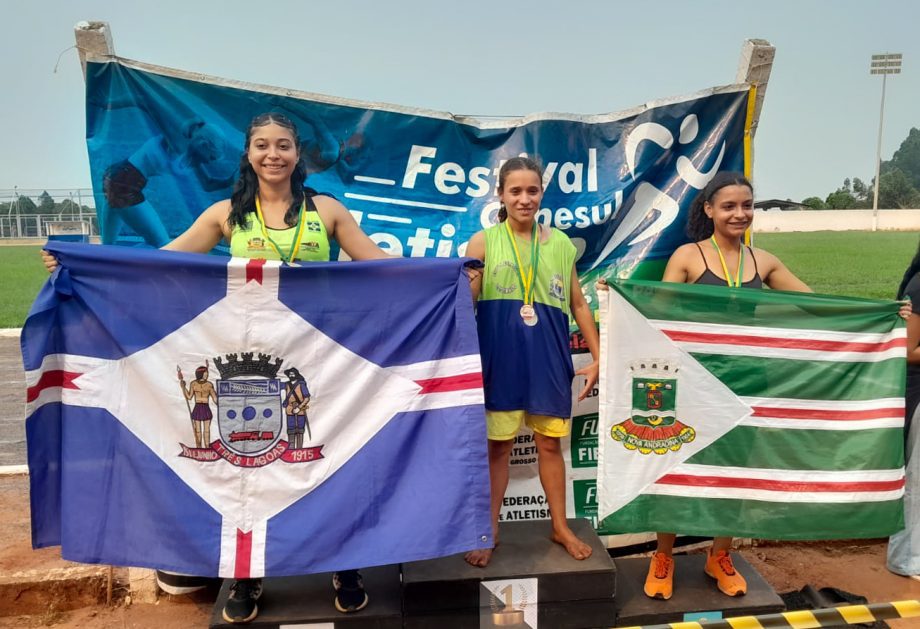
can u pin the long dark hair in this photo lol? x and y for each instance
(700, 226)
(912, 270)
(515, 163)
(243, 198)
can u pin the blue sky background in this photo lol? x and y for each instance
(819, 123)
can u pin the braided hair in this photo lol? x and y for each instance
(243, 198)
(700, 226)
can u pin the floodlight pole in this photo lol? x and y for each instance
(881, 64)
(878, 157)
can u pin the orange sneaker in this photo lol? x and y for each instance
(660, 580)
(720, 567)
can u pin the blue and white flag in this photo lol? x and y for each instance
(239, 418)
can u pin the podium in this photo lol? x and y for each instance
(308, 601)
(694, 593)
(530, 581)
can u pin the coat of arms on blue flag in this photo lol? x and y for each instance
(369, 450)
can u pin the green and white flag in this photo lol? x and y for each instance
(753, 413)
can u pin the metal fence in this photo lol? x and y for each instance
(36, 225)
(19, 217)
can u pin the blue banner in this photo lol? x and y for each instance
(165, 144)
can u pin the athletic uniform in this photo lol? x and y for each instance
(527, 371)
(710, 278)
(248, 241)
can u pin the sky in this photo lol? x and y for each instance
(818, 126)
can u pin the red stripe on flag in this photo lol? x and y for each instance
(825, 413)
(779, 485)
(254, 270)
(243, 554)
(51, 379)
(450, 383)
(783, 343)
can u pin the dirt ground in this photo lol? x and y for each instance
(857, 567)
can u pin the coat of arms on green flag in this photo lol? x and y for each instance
(750, 412)
(653, 426)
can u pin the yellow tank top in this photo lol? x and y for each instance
(251, 240)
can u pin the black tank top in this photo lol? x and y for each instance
(710, 278)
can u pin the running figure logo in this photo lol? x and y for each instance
(249, 399)
(653, 426)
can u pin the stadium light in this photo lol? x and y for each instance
(885, 64)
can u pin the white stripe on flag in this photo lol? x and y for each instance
(822, 424)
(834, 405)
(63, 362)
(240, 270)
(773, 485)
(772, 496)
(257, 558)
(227, 547)
(802, 476)
(825, 414)
(447, 399)
(470, 363)
(790, 353)
(780, 333)
(449, 382)
(61, 378)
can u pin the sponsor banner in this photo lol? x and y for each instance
(164, 144)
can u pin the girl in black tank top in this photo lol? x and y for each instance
(710, 278)
(719, 218)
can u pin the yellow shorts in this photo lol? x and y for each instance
(504, 425)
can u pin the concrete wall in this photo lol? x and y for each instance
(834, 220)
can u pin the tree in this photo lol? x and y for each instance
(814, 203)
(860, 190)
(45, 202)
(896, 192)
(906, 159)
(840, 200)
(25, 205)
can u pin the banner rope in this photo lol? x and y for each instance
(804, 619)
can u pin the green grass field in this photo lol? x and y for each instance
(859, 264)
(21, 276)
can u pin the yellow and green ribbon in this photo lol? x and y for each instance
(294, 243)
(728, 277)
(526, 281)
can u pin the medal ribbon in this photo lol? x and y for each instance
(294, 244)
(527, 283)
(728, 277)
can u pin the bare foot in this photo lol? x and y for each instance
(574, 546)
(479, 558)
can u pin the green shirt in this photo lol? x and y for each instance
(249, 241)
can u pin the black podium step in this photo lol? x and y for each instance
(308, 600)
(535, 575)
(694, 593)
